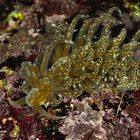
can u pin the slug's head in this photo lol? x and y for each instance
(40, 94)
(38, 88)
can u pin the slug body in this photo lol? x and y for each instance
(71, 66)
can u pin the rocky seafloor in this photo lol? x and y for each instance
(26, 28)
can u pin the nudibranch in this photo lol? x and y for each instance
(74, 64)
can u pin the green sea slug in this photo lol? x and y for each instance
(73, 65)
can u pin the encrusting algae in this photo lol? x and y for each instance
(71, 66)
